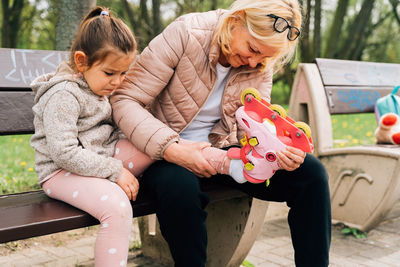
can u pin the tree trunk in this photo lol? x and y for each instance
(11, 22)
(317, 29)
(145, 21)
(394, 4)
(305, 38)
(357, 31)
(129, 12)
(70, 14)
(336, 28)
(156, 17)
(214, 4)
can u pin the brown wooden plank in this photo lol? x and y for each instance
(30, 214)
(342, 100)
(335, 72)
(16, 116)
(19, 67)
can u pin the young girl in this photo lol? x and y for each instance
(81, 157)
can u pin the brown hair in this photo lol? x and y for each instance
(99, 34)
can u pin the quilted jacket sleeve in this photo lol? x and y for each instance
(145, 81)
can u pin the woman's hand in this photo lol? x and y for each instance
(189, 156)
(128, 182)
(291, 158)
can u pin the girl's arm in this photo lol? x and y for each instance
(60, 118)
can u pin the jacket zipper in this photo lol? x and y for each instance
(212, 90)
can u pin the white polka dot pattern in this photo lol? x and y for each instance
(112, 250)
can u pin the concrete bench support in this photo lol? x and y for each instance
(364, 180)
(232, 227)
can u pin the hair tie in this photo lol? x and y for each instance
(104, 13)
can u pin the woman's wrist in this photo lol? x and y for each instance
(171, 151)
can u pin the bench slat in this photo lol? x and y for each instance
(335, 72)
(30, 214)
(16, 116)
(344, 100)
(19, 67)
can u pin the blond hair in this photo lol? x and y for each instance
(253, 15)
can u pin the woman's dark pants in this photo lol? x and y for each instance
(181, 203)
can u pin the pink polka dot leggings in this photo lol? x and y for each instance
(105, 201)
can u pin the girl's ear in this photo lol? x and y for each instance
(80, 59)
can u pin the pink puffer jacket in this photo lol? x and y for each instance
(171, 81)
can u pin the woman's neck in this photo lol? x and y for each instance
(222, 60)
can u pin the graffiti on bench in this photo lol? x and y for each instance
(19, 67)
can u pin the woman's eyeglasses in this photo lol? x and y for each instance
(281, 24)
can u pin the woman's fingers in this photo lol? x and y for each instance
(291, 158)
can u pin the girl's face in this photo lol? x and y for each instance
(245, 49)
(103, 77)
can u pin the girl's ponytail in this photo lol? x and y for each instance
(99, 34)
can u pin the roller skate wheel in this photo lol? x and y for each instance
(249, 91)
(248, 166)
(278, 109)
(304, 127)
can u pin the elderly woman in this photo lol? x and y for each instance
(186, 85)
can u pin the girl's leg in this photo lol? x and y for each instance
(218, 158)
(132, 158)
(105, 201)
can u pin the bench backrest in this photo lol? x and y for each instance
(331, 86)
(18, 68)
(354, 86)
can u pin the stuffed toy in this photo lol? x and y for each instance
(388, 131)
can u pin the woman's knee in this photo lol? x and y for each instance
(179, 188)
(313, 167)
(316, 175)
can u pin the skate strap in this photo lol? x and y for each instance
(234, 153)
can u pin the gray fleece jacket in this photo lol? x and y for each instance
(74, 130)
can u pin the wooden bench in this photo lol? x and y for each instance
(234, 218)
(364, 180)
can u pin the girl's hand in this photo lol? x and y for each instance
(128, 182)
(291, 158)
(189, 156)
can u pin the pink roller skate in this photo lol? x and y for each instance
(268, 130)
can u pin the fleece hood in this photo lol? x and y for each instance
(63, 73)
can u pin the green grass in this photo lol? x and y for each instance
(353, 129)
(17, 157)
(17, 165)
